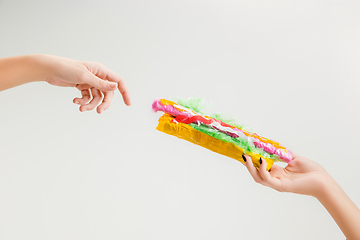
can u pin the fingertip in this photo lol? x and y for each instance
(76, 101)
(112, 85)
(265, 175)
(263, 164)
(107, 86)
(244, 158)
(82, 108)
(252, 170)
(248, 161)
(126, 98)
(103, 85)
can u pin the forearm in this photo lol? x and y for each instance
(345, 213)
(15, 71)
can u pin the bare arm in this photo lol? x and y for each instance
(96, 82)
(307, 177)
(19, 70)
(345, 213)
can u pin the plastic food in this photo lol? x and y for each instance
(185, 121)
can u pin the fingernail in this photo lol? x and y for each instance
(260, 160)
(244, 158)
(76, 102)
(112, 85)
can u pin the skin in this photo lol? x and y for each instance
(95, 82)
(304, 176)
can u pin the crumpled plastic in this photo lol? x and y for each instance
(255, 143)
(213, 140)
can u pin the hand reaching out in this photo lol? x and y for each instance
(95, 82)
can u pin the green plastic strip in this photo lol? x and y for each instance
(240, 142)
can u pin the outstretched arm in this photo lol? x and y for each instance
(96, 82)
(307, 177)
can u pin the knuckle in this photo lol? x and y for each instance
(124, 92)
(121, 80)
(100, 65)
(101, 84)
(90, 106)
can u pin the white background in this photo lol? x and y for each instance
(289, 69)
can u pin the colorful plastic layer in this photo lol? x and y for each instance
(213, 143)
(188, 116)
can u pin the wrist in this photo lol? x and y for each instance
(38, 67)
(327, 188)
(29, 68)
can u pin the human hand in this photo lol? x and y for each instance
(302, 176)
(95, 82)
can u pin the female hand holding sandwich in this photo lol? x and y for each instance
(303, 176)
(96, 82)
(307, 177)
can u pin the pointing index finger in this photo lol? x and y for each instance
(112, 76)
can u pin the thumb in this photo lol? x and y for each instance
(101, 84)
